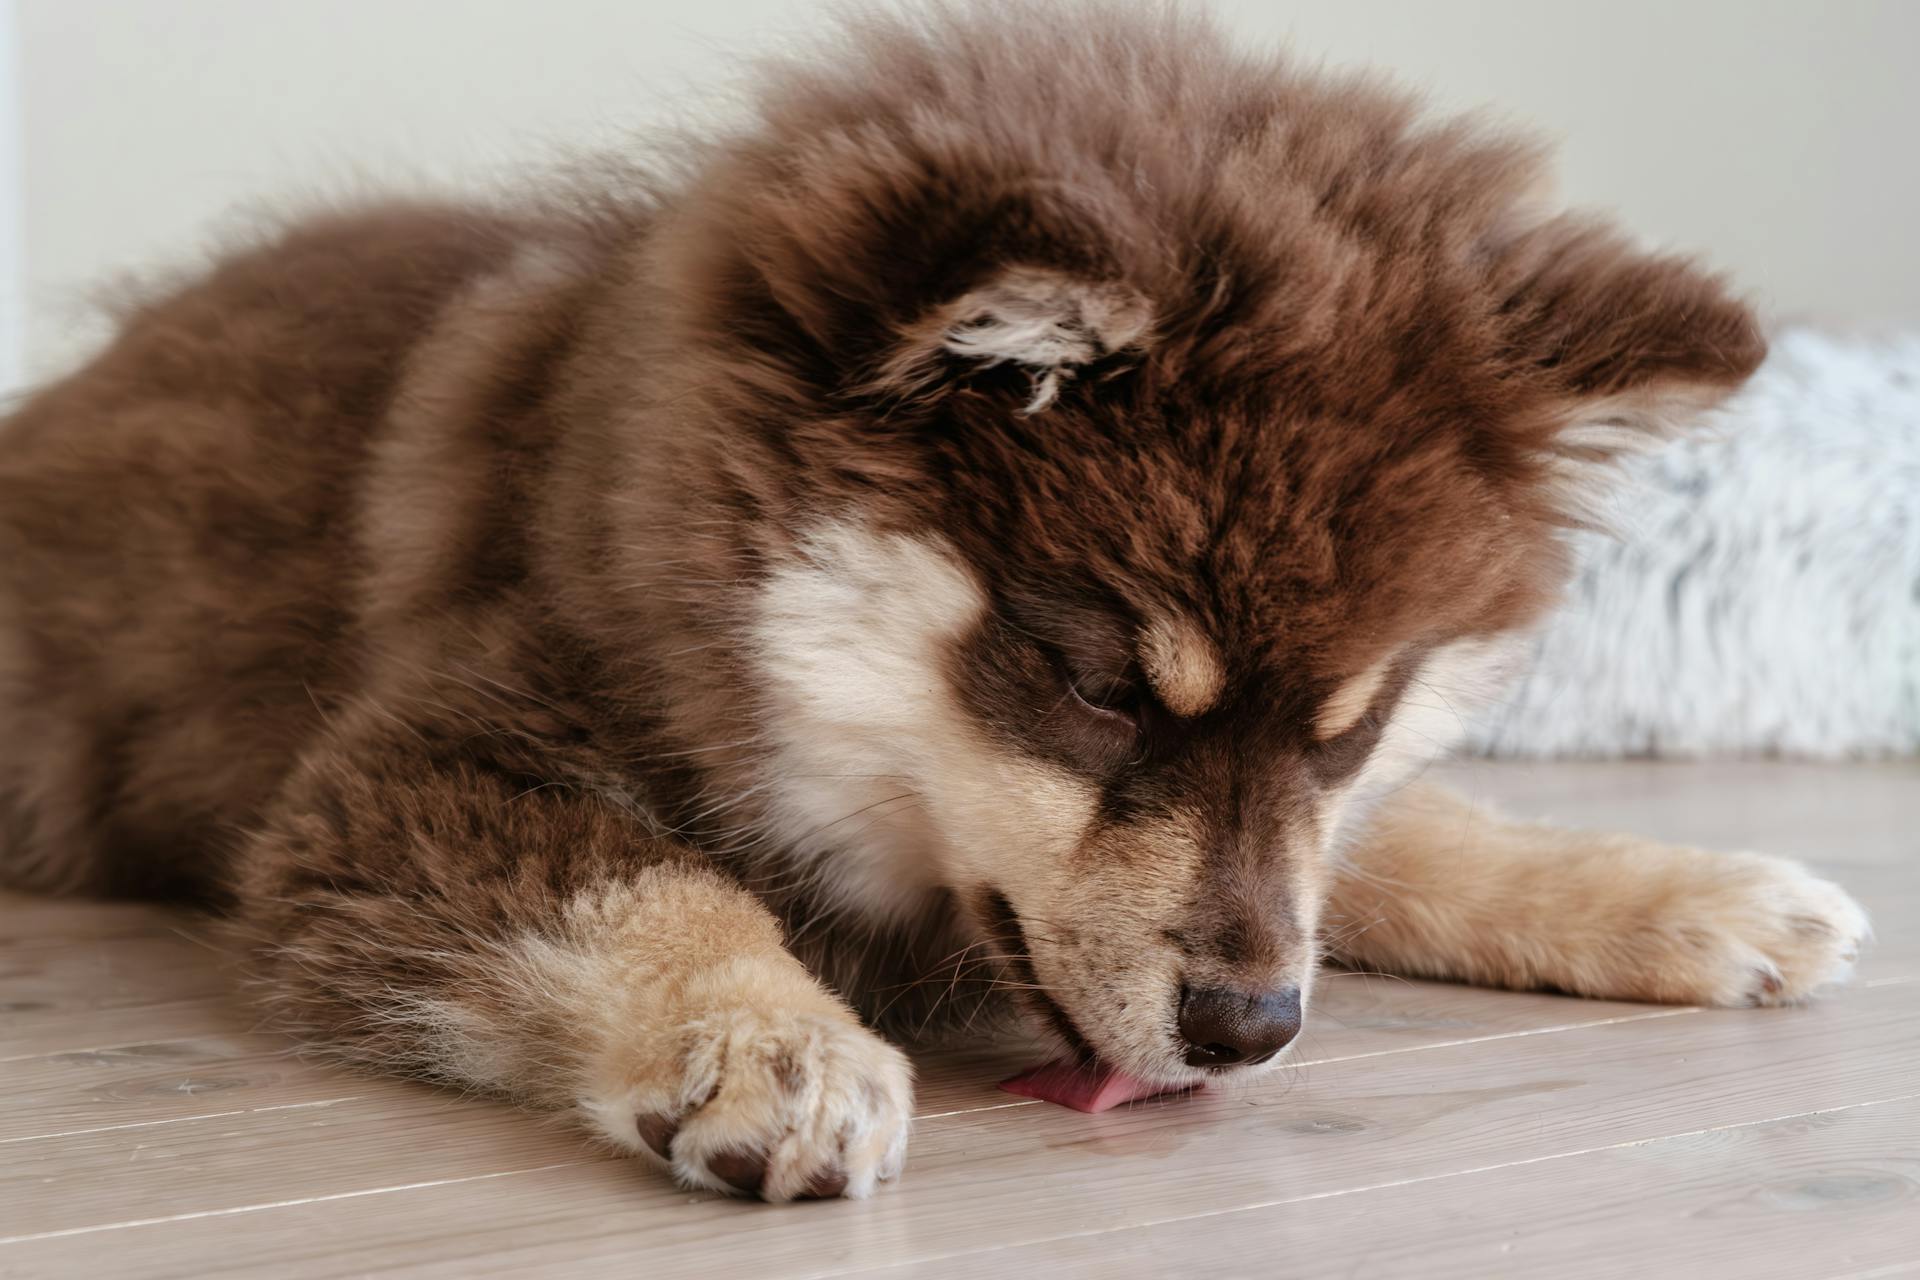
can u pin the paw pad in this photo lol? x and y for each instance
(744, 1171)
(657, 1132)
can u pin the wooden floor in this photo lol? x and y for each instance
(1426, 1130)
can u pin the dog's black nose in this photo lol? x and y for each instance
(1223, 1027)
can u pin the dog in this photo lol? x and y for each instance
(1001, 528)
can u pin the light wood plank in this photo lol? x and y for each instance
(1824, 1194)
(1020, 1173)
(58, 1028)
(1841, 816)
(157, 1082)
(143, 973)
(27, 918)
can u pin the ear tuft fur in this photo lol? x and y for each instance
(1048, 323)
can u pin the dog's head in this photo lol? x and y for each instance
(1159, 449)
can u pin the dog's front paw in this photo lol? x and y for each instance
(785, 1106)
(1740, 929)
(779, 1103)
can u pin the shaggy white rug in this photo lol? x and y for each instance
(1761, 595)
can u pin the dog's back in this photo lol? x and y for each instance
(177, 545)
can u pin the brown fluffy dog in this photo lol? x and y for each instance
(1012, 516)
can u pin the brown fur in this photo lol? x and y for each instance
(993, 518)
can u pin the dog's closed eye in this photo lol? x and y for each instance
(1121, 695)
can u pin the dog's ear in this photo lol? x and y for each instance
(1618, 348)
(1048, 324)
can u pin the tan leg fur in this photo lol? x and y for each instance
(441, 919)
(708, 1044)
(1436, 886)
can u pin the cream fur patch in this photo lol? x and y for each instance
(878, 780)
(1182, 664)
(1452, 685)
(1350, 701)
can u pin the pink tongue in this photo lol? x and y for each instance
(1084, 1087)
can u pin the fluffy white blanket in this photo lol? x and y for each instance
(1761, 594)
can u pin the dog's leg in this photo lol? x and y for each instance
(436, 918)
(1435, 886)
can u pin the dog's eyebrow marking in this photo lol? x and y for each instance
(1343, 709)
(1182, 665)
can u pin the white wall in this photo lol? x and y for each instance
(13, 338)
(1777, 135)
